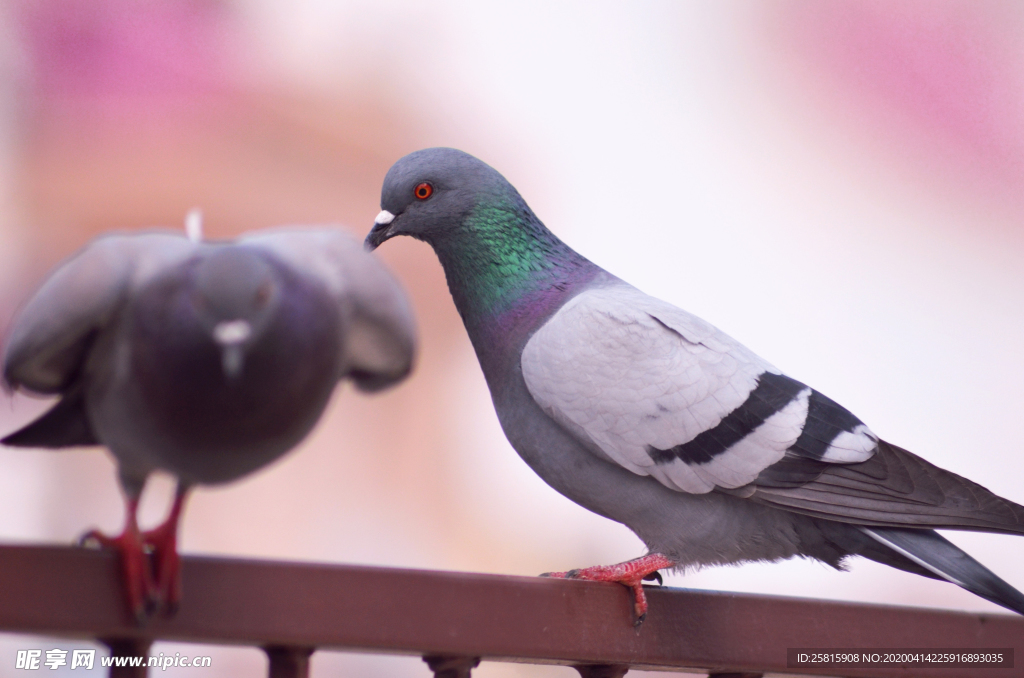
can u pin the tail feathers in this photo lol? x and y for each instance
(941, 558)
(63, 425)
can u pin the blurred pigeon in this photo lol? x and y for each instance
(207, 360)
(651, 417)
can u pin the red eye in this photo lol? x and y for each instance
(423, 191)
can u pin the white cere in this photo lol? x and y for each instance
(231, 332)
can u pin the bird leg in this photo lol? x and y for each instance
(630, 573)
(163, 541)
(138, 580)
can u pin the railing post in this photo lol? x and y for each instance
(288, 661)
(451, 667)
(129, 647)
(601, 670)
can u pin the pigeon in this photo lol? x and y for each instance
(652, 417)
(204, 359)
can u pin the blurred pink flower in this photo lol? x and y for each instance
(115, 48)
(944, 79)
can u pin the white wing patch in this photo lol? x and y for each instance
(746, 459)
(627, 373)
(852, 446)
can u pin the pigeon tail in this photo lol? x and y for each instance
(944, 560)
(63, 425)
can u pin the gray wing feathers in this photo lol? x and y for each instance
(631, 376)
(380, 335)
(896, 488)
(626, 373)
(45, 349)
(382, 340)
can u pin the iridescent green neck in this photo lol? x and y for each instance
(501, 254)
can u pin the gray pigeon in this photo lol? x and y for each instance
(651, 417)
(207, 360)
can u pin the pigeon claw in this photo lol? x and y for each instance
(655, 576)
(630, 574)
(150, 564)
(135, 570)
(163, 541)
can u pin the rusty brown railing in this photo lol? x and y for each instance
(454, 620)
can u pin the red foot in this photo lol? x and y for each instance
(630, 573)
(150, 584)
(166, 566)
(138, 581)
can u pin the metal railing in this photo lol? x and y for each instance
(454, 620)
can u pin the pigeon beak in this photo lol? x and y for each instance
(380, 231)
(231, 336)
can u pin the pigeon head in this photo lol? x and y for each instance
(237, 291)
(497, 256)
(430, 193)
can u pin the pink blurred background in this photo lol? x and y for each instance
(837, 184)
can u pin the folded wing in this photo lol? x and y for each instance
(662, 393)
(894, 488)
